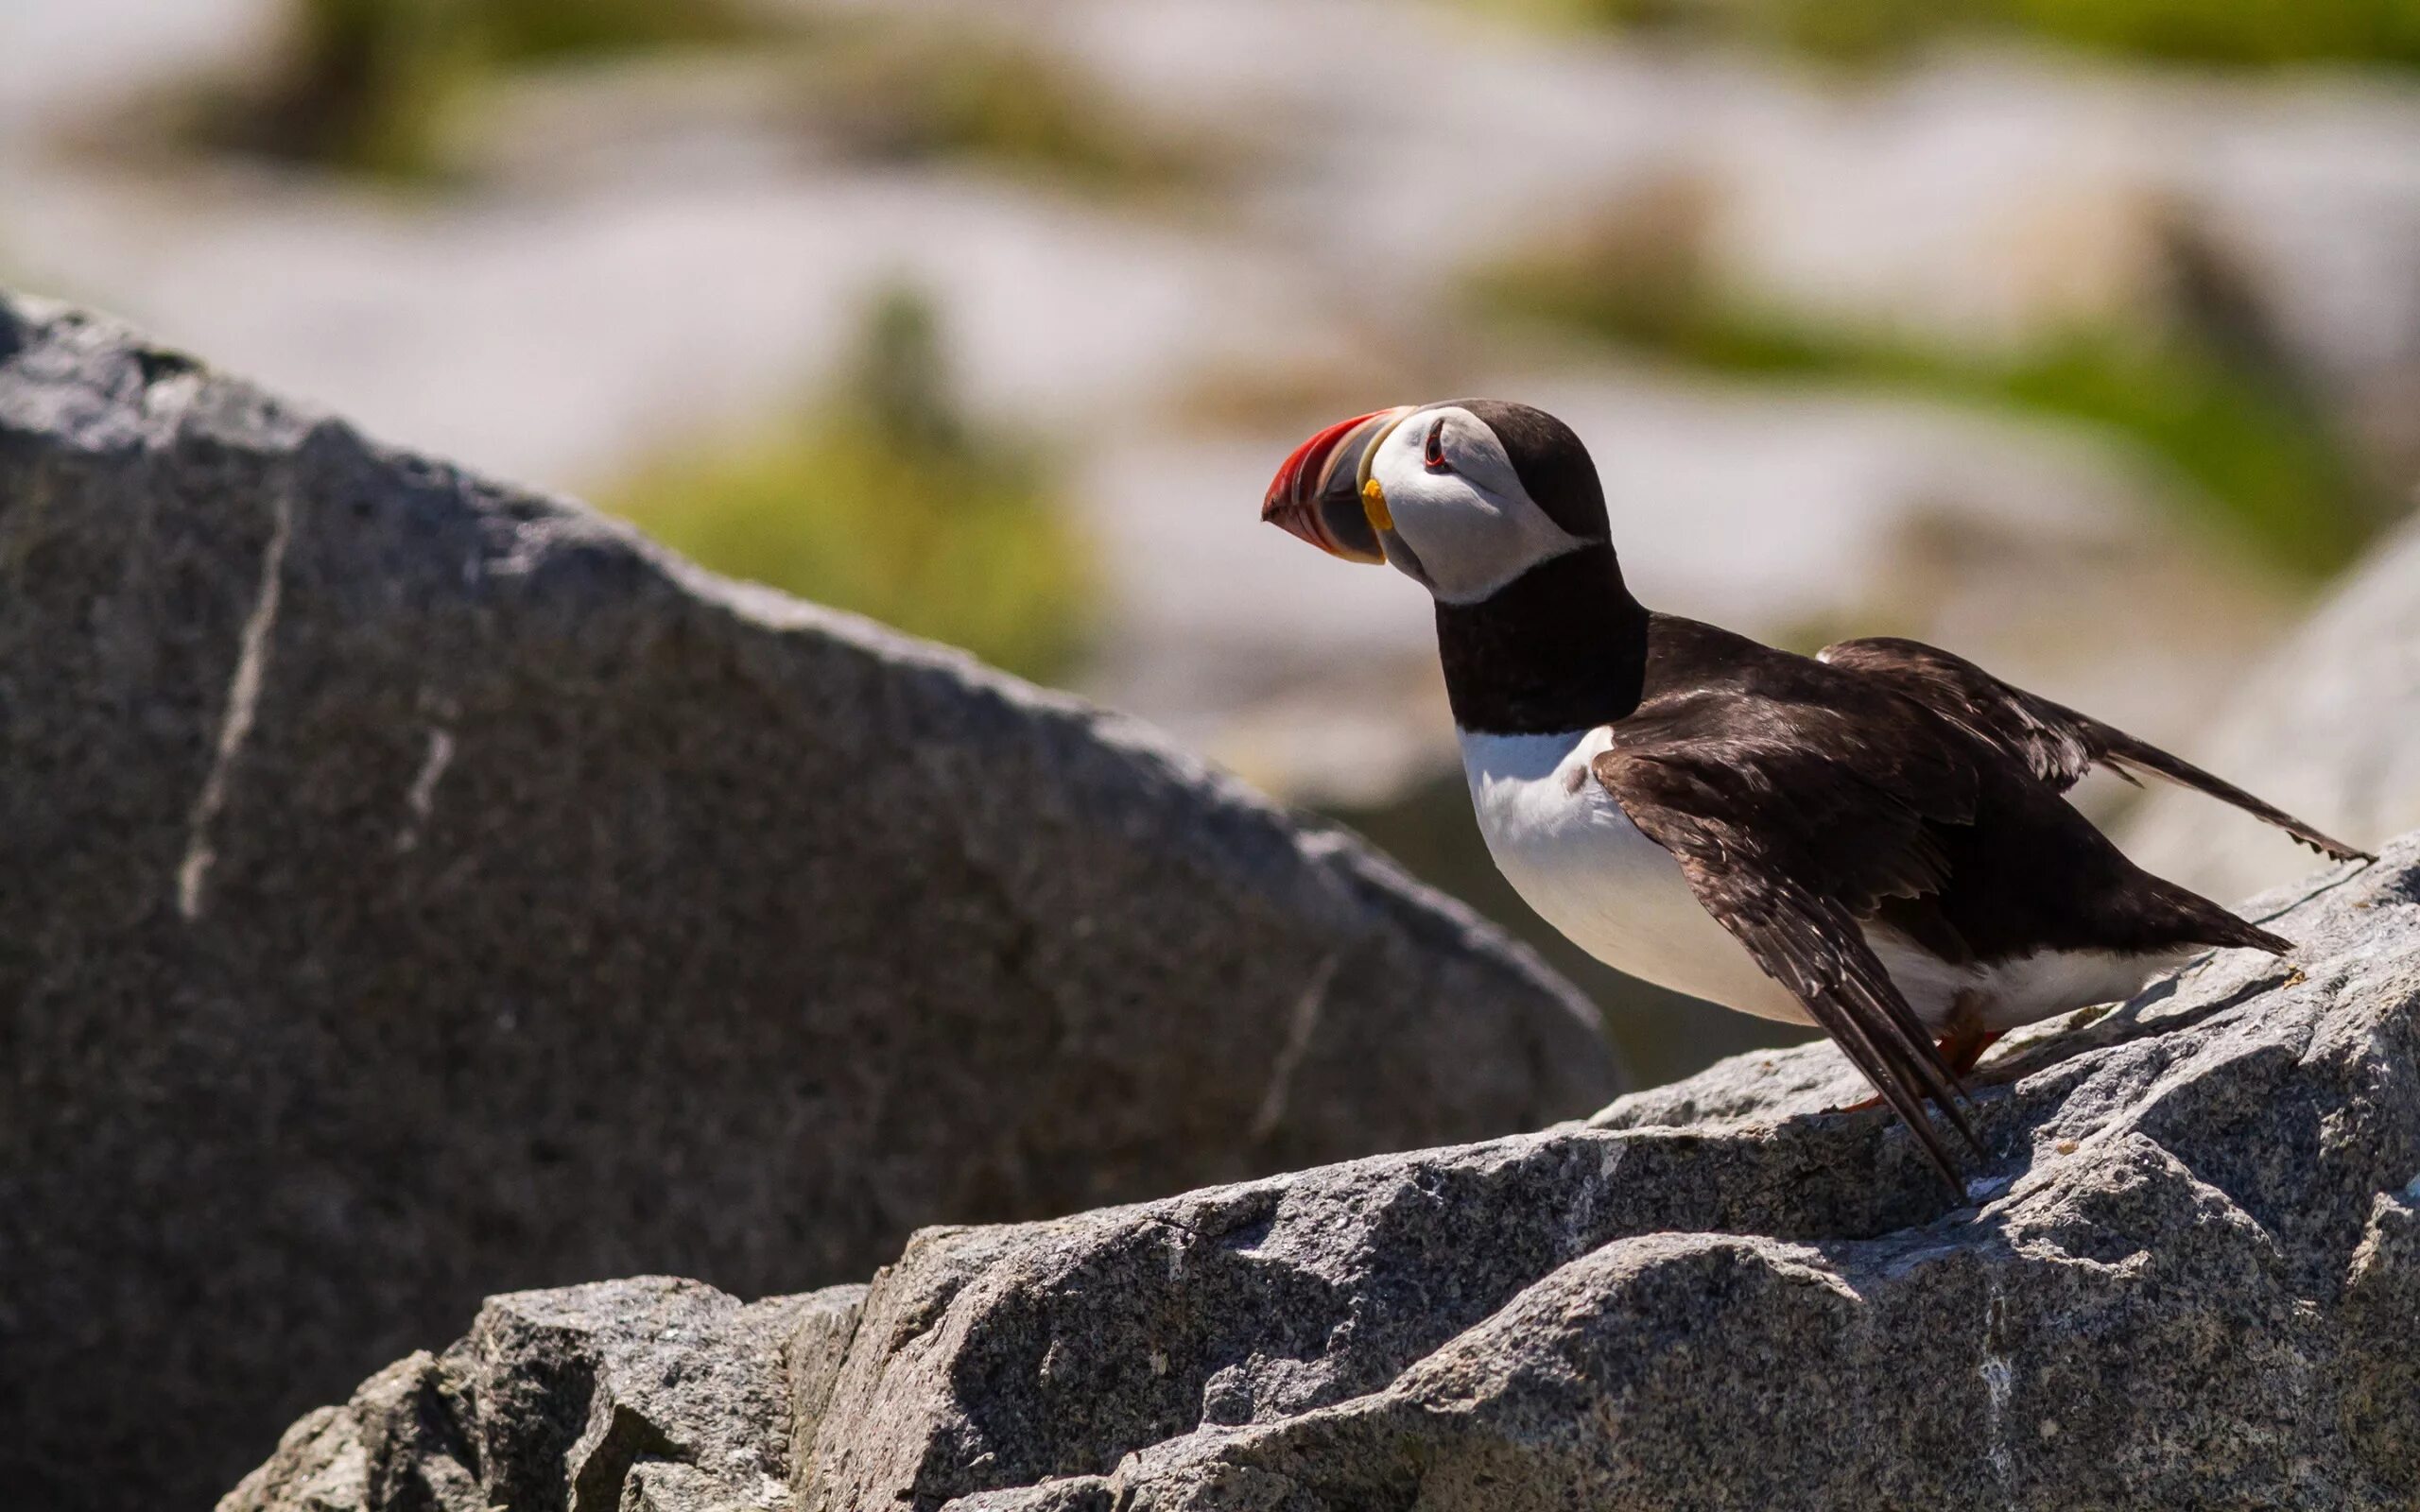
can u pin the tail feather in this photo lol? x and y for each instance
(2249, 935)
(2190, 918)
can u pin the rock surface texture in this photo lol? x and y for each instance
(416, 890)
(2328, 729)
(2188, 1275)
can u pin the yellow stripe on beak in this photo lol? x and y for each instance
(1374, 504)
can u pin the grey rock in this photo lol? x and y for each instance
(2183, 1278)
(669, 1485)
(2382, 1319)
(2187, 1275)
(819, 1342)
(2323, 729)
(653, 1393)
(418, 889)
(397, 1443)
(1074, 1493)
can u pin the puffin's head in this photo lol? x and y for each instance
(1461, 497)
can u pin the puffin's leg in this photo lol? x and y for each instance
(1965, 1046)
(1967, 1039)
(1962, 1046)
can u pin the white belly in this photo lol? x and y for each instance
(2036, 986)
(1575, 857)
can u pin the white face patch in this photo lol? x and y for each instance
(1469, 525)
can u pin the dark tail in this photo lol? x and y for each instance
(2248, 936)
(2129, 755)
(2190, 918)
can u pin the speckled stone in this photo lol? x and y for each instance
(2188, 1275)
(417, 889)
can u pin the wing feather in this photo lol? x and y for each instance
(1791, 887)
(2055, 741)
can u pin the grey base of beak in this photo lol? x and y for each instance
(1348, 525)
(1339, 499)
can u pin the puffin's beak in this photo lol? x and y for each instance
(1317, 494)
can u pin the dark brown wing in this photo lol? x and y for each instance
(1791, 835)
(2057, 743)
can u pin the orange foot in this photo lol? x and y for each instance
(1961, 1049)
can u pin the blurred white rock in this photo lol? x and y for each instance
(2328, 729)
(647, 250)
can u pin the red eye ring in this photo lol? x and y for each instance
(1433, 451)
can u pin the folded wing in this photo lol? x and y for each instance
(1791, 850)
(2056, 741)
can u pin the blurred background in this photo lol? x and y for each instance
(2081, 336)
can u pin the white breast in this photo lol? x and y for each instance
(1574, 856)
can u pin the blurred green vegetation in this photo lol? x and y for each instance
(2232, 33)
(914, 93)
(885, 499)
(2220, 410)
(373, 86)
(388, 88)
(522, 31)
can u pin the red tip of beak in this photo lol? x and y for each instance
(1292, 503)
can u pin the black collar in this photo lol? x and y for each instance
(1560, 648)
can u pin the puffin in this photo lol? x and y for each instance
(1873, 840)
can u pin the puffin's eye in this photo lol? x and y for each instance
(1433, 451)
